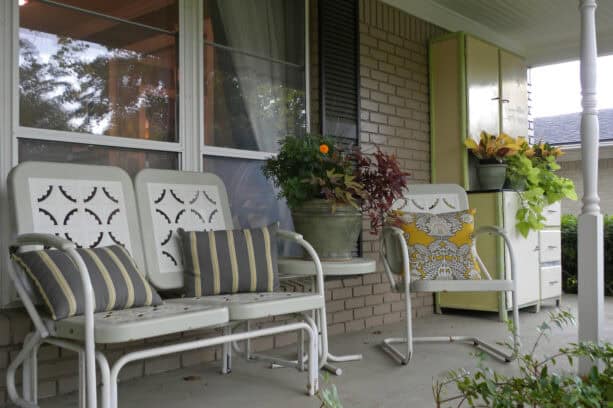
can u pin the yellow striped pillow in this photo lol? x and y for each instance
(230, 261)
(115, 278)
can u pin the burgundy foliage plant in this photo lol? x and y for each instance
(384, 183)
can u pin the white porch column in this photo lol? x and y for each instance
(590, 242)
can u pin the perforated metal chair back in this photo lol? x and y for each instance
(92, 206)
(435, 198)
(169, 200)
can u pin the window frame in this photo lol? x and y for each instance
(190, 146)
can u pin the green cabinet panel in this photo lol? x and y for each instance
(489, 212)
(474, 86)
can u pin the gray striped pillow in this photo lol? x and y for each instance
(230, 261)
(115, 278)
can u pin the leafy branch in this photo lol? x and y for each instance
(537, 384)
(533, 172)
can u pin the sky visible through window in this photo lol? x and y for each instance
(556, 89)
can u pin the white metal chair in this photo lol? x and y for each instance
(441, 198)
(169, 200)
(64, 206)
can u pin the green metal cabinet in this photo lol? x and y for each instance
(474, 86)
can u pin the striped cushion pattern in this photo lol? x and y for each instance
(230, 261)
(115, 279)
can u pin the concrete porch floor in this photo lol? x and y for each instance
(376, 381)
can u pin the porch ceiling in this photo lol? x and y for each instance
(544, 31)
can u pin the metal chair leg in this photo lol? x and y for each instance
(82, 381)
(388, 343)
(30, 374)
(493, 350)
(226, 363)
(300, 350)
(30, 344)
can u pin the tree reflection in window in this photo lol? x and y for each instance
(113, 79)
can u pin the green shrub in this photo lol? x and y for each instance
(569, 254)
(538, 382)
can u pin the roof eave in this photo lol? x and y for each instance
(573, 151)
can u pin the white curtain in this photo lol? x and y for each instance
(252, 26)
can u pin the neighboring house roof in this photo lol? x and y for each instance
(566, 129)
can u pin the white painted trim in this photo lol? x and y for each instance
(236, 153)
(590, 245)
(15, 80)
(191, 91)
(7, 29)
(573, 152)
(564, 50)
(441, 16)
(98, 140)
(307, 64)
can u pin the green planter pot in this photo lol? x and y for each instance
(492, 176)
(333, 235)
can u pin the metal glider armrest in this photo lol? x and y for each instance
(69, 249)
(33, 239)
(48, 240)
(298, 238)
(289, 235)
(319, 278)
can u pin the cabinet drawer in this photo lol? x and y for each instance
(553, 214)
(551, 281)
(549, 244)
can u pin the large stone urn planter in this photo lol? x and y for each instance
(332, 234)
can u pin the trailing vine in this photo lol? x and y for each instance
(532, 172)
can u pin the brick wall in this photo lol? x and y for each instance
(394, 116)
(572, 170)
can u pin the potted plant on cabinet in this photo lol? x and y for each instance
(532, 172)
(492, 151)
(328, 188)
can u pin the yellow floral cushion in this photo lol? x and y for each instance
(440, 245)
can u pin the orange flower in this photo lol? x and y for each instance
(323, 148)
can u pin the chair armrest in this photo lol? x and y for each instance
(299, 239)
(395, 230)
(394, 233)
(494, 230)
(289, 235)
(48, 240)
(489, 229)
(69, 249)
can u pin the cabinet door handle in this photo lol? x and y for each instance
(551, 247)
(505, 101)
(554, 282)
(496, 98)
(537, 248)
(551, 211)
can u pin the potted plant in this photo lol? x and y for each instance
(532, 171)
(328, 188)
(492, 151)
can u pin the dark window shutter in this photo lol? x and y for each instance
(339, 69)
